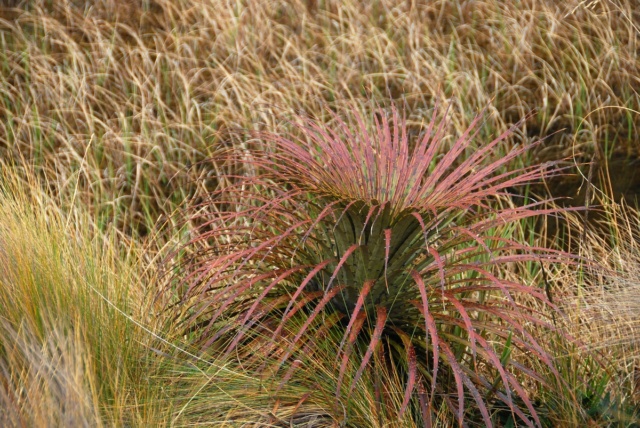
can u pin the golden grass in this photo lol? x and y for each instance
(126, 96)
(605, 308)
(68, 357)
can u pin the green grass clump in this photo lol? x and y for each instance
(70, 355)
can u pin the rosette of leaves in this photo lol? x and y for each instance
(389, 247)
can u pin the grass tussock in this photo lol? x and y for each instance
(68, 356)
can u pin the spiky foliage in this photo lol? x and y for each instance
(395, 243)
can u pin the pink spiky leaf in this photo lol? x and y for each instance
(381, 319)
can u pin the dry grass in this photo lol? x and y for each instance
(605, 308)
(47, 384)
(124, 96)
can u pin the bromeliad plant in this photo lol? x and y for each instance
(394, 247)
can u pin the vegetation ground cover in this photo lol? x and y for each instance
(136, 135)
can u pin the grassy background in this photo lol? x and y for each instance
(107, 109)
